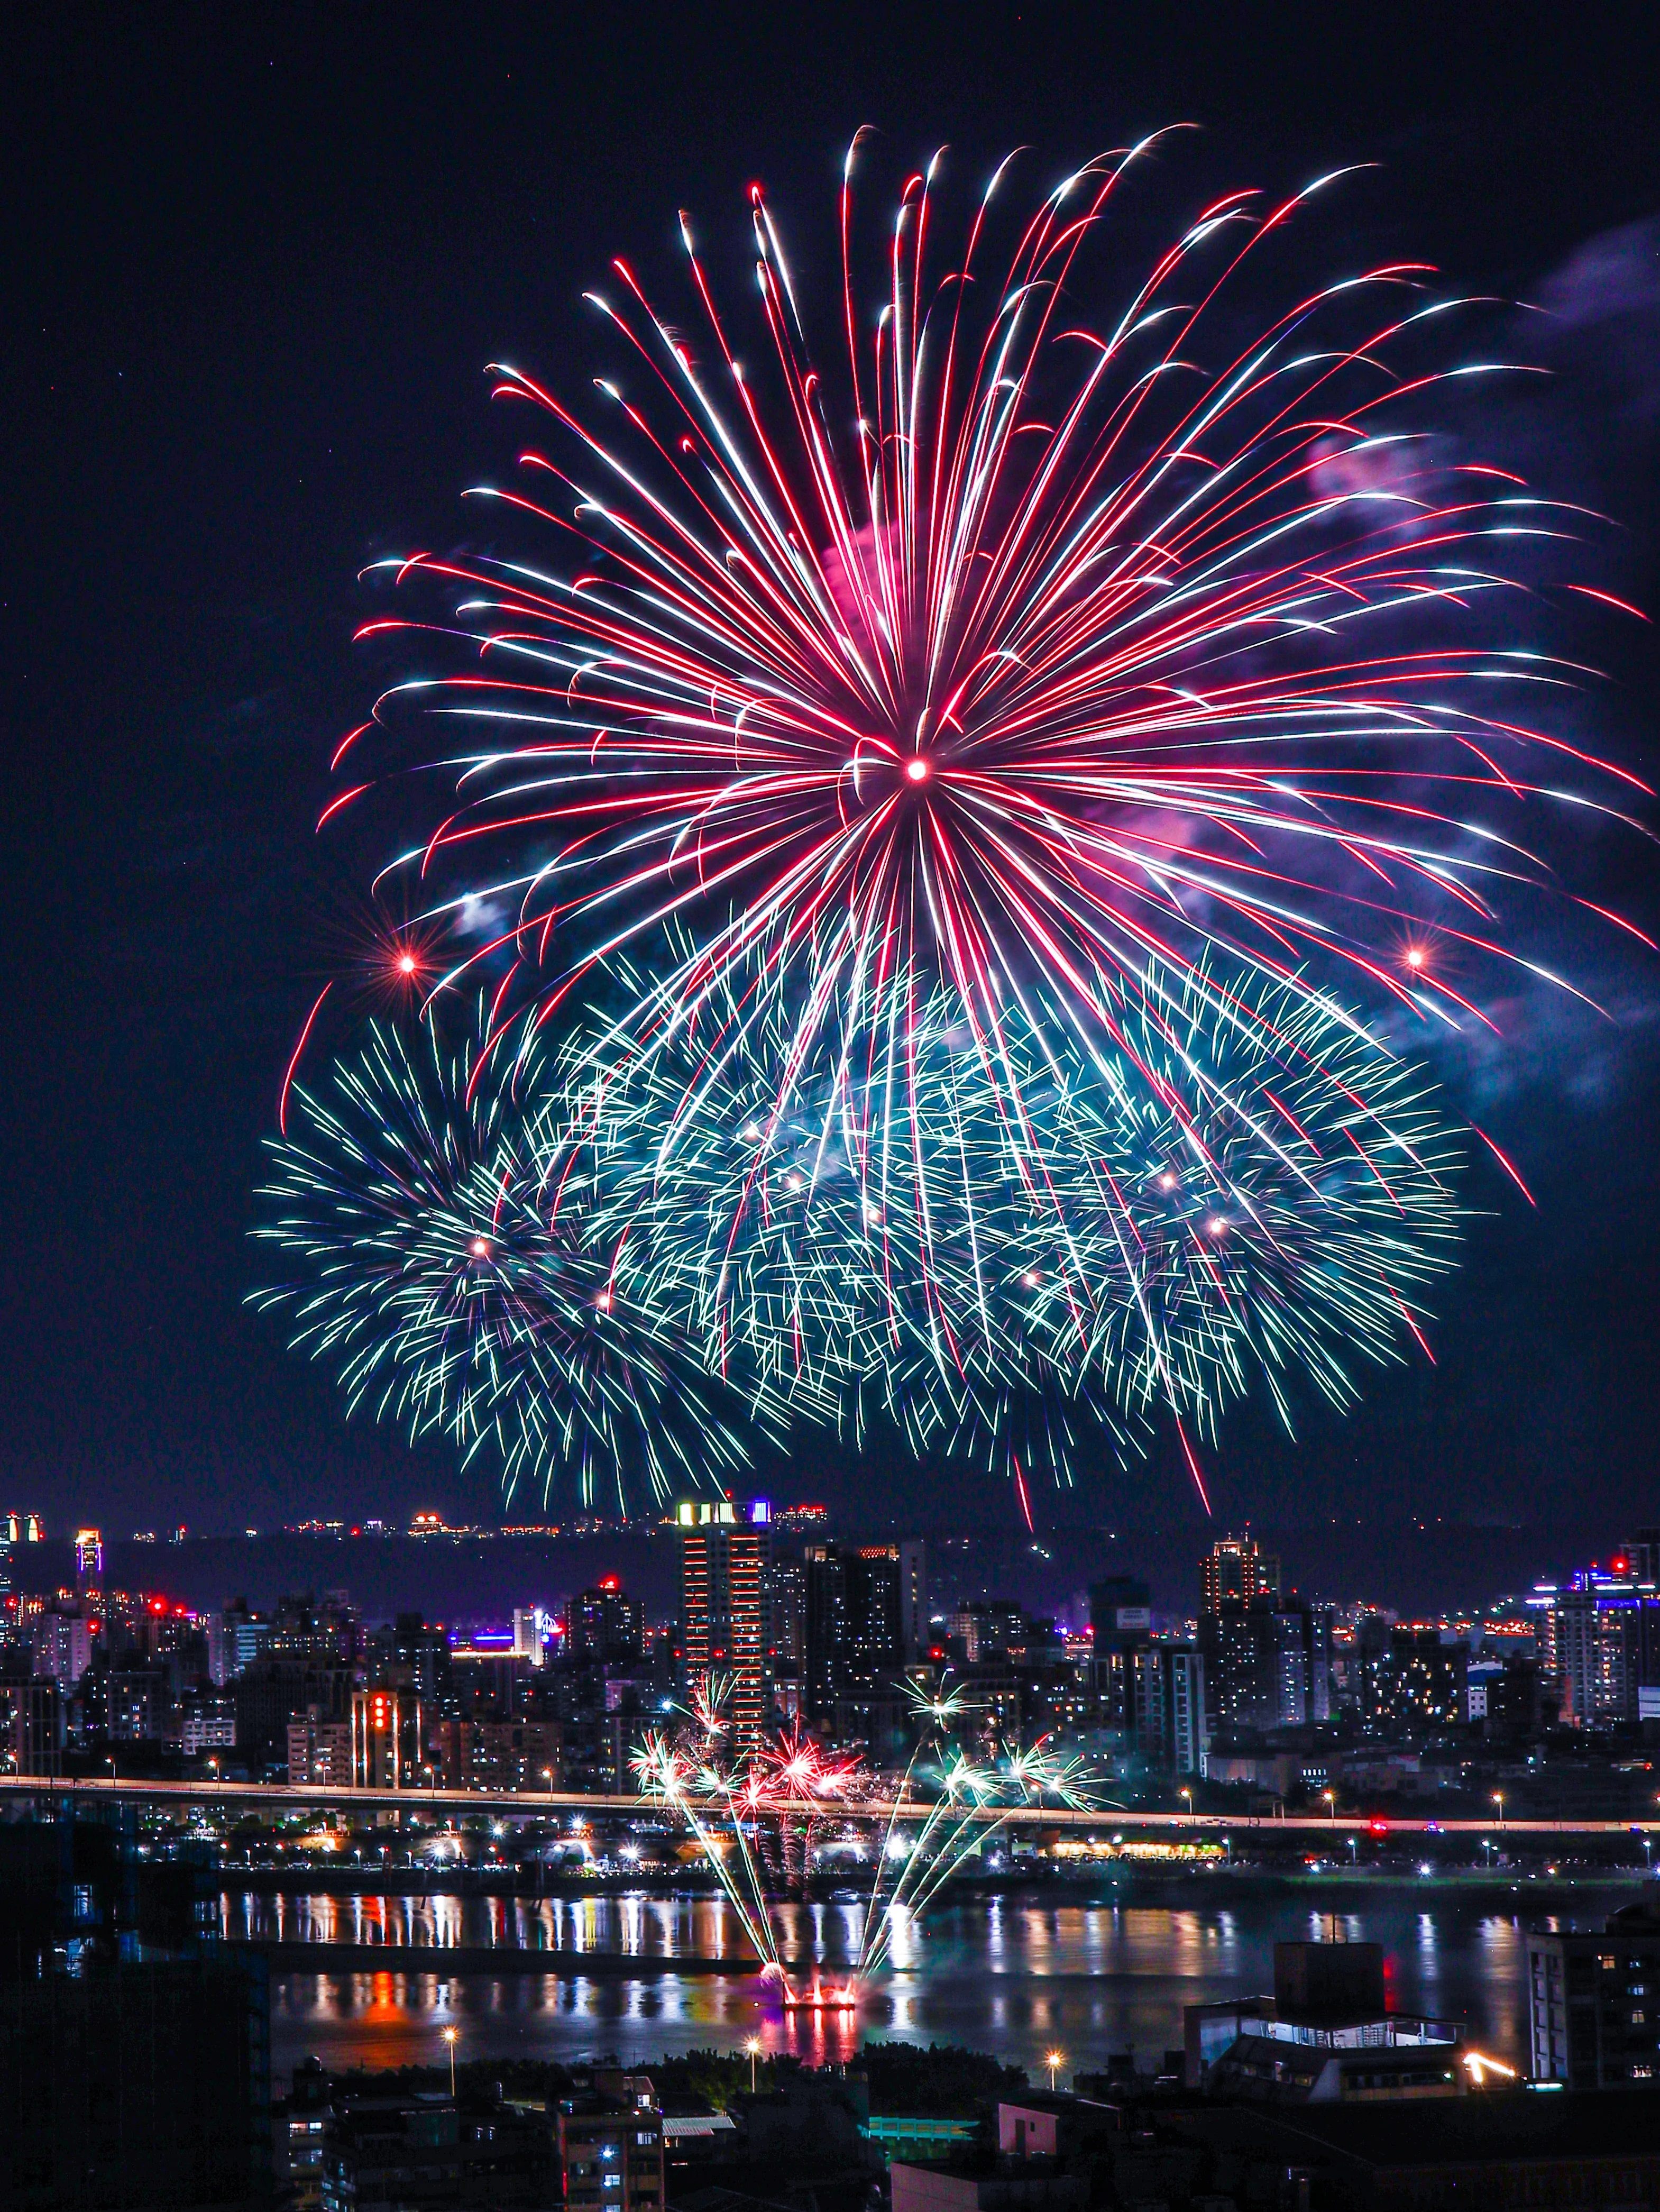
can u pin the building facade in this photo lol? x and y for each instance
(610, 2147)
(1236, 1571)
(724, 1580)
(387, 1752)
(1593, 2004)
(855, 1637)
(1172, 1726)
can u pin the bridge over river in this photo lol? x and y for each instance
(540, 1804)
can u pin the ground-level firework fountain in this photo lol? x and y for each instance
(757, 1817)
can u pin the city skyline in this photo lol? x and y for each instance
(779, 1633)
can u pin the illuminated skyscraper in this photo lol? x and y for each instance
(724, 1553)
(1237, 1569)
(88, 1556)
(386, 1739)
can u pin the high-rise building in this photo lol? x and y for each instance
(604, 1624)
(416, 1658)
(1250, 1682)
(1319, 1621)
(990, 1628)
(1593, 2018)
(319, 1749)
(1172, 1726)
(855, 1632)
(1236, 1568)
(64, 1640)
(88, 1558)
(386, 1739)
(1120, 1624)
(31, 1723)
(1418, 1683)
(236, 1638)
(1605, 1642)
(1120, 1613)
(724, 1562)
(913, 1596)
(786, 1615)
(22, 1528)
(532, 1631)
(1268, 1656)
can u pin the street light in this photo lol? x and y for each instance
(452, 2035)
(1331, 1796)
(1498, 1800)
(1188, 1794)
(1053, 2060)
(751, 2044)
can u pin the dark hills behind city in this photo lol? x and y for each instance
(1422, 1569)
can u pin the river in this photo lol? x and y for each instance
(1017, 1973)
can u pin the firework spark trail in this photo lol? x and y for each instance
(428, 1264)
(1257, 1193)
(990, 695)
(731, 1806)
(542, 1261)
(1072, 688)
(965, 824)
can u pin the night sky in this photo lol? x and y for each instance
(255, 263)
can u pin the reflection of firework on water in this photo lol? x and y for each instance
(758, 1819)
(453, 1292)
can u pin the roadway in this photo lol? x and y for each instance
(538, 1804)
